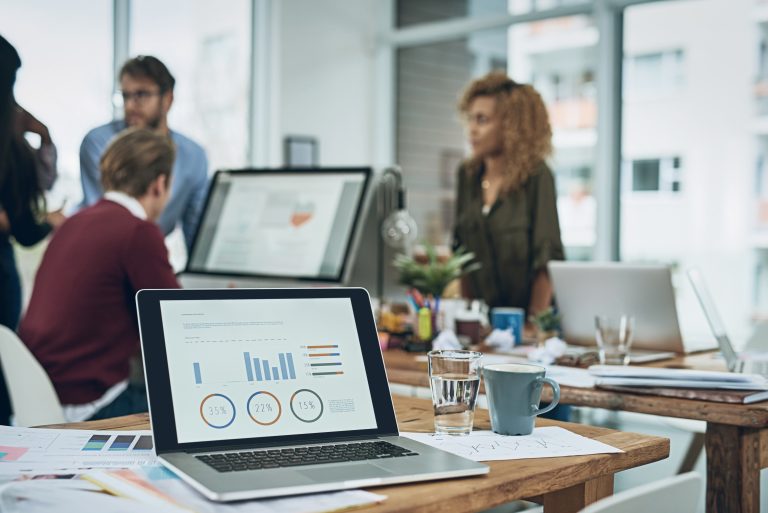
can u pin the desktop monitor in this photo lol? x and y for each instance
(272, 225)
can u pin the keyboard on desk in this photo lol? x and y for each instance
(300, 456)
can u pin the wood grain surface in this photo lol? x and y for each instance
(564, 485)
(405, 368)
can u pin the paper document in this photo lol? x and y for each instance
(545, 442)
(85, 496)
(570, 376)
(629, 371)
(39, 450)
(155, 486)
(682, 378)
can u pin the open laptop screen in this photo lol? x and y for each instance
(252, 368)
(292, 223)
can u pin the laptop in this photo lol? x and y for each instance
(585, 289)
(279, 227)
(267, 392)
(749, 363)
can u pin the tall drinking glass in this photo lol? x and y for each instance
(454, 377)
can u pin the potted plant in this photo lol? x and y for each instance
(547, 324)
(432, 275)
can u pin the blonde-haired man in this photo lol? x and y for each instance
(81, 320)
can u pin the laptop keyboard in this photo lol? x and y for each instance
(299, 456)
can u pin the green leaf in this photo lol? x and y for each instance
(433, 276)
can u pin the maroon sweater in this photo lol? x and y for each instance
(81, 321)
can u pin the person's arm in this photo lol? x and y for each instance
(541, 292)
(46, 155)
(194, 207)
(90, 176)
(146, 261)
(546, 242)
(465, 285)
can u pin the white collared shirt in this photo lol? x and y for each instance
(80, 412)
(129, 202)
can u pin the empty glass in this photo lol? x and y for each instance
(614, 338)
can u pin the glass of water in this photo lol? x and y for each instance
(454, 377)
(614, 338)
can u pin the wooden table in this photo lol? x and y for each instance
(562, 485)
(736, 440)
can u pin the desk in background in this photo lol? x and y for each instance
(562, 485)
(736, 440)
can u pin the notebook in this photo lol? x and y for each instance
(267, 392)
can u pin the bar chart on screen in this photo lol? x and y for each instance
(256, 369)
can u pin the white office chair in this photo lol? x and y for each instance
(677, 494)
(33, 397)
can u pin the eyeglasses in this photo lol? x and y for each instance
(140, 96)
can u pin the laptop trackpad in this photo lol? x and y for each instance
(346, 473)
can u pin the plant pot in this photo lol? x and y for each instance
(544, 335)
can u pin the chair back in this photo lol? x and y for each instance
(677, 494)
(33, 398)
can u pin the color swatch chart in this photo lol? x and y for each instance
(118, 443)
(30, 450)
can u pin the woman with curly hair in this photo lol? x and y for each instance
(506, 211)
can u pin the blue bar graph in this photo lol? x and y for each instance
(198, 377)
(265, 365)
(290, 366)
(248, 371)
(258, 369)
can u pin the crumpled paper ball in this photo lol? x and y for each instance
(552, 349)
(447, 339)
(502, 340)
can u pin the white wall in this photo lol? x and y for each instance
(707, 123)
(327, 88)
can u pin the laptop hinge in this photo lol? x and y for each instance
(253, 446)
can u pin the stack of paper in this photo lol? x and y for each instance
(675, 378)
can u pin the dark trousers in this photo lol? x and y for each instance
(10, 286)
(10, 310)
(132, 400)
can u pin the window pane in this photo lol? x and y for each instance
(206, 46)
(645, 175)
(414, 12)
(430, 135)
(689, 200)
(65, 78)
(558, 56)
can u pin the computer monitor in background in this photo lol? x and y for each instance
(271, 227)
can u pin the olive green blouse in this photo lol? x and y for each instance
(513, 241)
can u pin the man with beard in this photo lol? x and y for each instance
(147, 90)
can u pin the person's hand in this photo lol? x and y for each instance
(5, 223)
(56, 218)
(26, 122)
(529, 331)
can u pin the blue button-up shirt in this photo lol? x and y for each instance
(189, 182)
